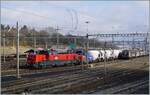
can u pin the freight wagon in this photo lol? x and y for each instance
(126, 54)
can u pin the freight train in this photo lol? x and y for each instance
(43, 58)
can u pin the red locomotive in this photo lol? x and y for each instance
(41, 58)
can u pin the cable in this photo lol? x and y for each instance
(76, 15)
(68, 10)
(33, 14)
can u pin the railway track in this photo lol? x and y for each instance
(65, 92)
(61, 78)
(37, 77)
(55, 72)
(104, 89)
(33, 71)
(129, 88)
(87, 85)
(62, 81)
(121, 88)
(26, 71)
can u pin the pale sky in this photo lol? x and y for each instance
(104, 16)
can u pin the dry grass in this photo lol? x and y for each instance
(12, 50)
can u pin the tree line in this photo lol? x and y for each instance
(28, 36)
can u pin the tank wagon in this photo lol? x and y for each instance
(115, 53)
(94, 54)
(108, 54)
(101, 55)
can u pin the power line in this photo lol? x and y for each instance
(68, 10)
(33, 14)
(37, 15)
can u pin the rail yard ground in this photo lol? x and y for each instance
(122, 77)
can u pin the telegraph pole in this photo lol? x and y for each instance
(13, 39)
(112, 39)
(87, 48)
(57, 36)
(87, 44)
(4, 47)
(34, 39)
(133, 43)
(105, 72)
(13, 43)
(17, 51)
(123, 44)
(45, 43)
(94, 43)
(75, 40)
(146, 45)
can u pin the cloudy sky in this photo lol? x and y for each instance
(103, 16)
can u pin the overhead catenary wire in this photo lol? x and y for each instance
(69, 11)
(31, 13)
(42, 16)
(34, 14)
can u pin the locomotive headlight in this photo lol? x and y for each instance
(56, 58)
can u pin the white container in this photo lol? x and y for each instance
(94, 54)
